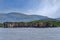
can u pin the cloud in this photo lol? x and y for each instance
(48, 8)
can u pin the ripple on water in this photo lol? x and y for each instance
(29, 33)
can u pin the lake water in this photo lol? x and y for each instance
(29, 33)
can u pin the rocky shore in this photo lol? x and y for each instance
(32, 24)
(27, 24)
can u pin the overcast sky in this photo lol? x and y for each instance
(50, 8)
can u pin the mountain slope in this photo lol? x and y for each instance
(19, 17)
(57, 18)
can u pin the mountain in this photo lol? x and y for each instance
(57, 18)
(19, 17)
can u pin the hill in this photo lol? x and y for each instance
(19, 17)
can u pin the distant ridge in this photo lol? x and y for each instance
(19, 17)
(57, 19)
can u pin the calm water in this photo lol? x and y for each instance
(29, 33)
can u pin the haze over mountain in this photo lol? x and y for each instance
(19, 17)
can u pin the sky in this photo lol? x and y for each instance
(49, 8)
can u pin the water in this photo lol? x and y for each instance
(29, 33)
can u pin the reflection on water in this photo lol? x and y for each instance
(29, 33)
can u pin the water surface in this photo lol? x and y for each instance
(29, 33)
